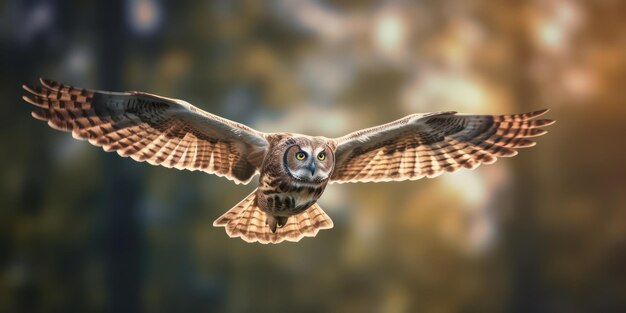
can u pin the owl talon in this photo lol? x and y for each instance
(282, 221)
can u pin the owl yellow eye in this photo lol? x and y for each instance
(300, 156)
(321, 156)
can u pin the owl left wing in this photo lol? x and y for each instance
(145, 127)
(426, 145)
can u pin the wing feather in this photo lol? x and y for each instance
(427, 145)
(145, 127)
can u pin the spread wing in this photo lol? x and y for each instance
(426, 145)
(146, 127)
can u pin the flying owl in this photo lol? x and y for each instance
(294, 169)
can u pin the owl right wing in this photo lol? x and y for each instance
(426, 145)
(159, 130)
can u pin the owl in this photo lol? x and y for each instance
(294, 169)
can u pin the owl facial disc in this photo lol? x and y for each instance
(308, 161)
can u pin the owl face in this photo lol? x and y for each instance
(308, 160)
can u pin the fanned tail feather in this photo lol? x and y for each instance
(246, 220)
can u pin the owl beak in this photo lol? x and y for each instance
(312, 168)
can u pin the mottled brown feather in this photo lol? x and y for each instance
(159, 130)
(427, 145)
(247, 221)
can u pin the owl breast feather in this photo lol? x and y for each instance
(288, 197)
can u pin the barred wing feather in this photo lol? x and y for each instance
(146, 127)
(426, 145)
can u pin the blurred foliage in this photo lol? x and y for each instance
(83, 230)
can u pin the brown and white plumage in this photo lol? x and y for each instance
(248, 221)
(426, 145)
(159, 130)
(294, 169)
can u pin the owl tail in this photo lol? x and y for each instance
(246, 220)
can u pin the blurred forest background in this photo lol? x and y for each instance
(86, 231)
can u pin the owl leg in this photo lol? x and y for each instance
(272, 222)
(282, 220)
(276, 222)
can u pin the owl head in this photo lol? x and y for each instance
(308, 159)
